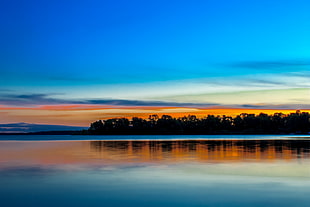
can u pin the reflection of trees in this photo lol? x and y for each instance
(244, 123)
(210, 150)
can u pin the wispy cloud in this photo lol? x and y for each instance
(5, 90)
(272, 106)
(148, 103)
(45, 99)
(278, 64)
(194, 93)
(32, 99)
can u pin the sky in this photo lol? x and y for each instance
(74, 62)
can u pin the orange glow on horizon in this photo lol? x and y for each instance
(83, 115)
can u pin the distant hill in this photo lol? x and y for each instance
(26, 128)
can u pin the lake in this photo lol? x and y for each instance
(211, 170)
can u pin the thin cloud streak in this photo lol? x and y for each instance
(44, 99)
(271, 64)
(32, 99)
(98, 107)
(273, 106)
(155, 91)
(162, 95)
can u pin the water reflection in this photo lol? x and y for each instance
(206, 151)
(254, 173)
(134, 152)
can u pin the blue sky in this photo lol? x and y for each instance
(155, 50)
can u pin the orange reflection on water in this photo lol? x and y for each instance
(204, 151)
(101, 153)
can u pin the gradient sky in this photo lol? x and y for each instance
(73, 62)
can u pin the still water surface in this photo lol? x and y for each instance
(143, 171)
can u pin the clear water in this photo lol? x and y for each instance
(144, 171)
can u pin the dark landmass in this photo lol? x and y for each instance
(278, 123)
(26, 128)
(46, 133)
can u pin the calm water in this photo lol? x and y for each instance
(143, 171)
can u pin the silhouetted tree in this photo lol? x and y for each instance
(244, 123)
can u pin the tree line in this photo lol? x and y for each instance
(245, 123)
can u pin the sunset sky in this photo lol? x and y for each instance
(73, 62)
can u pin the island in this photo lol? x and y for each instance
(277, 123)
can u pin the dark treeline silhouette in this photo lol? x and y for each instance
(244, 123)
